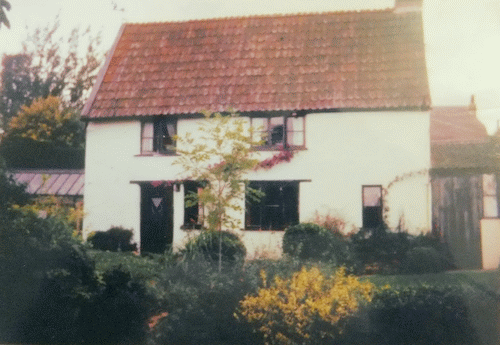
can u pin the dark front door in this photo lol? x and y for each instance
(156, 218)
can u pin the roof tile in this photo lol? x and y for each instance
(368, 59)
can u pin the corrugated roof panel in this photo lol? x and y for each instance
(70, 181)
(52, 182)
(77, 186)
(47, 181)
(54, 188)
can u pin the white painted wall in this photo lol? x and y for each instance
(344, 151)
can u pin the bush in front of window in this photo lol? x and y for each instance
(210, 244)
(308, 241)
(115, 239)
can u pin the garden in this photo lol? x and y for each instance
(371, 287)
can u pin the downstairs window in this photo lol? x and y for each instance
(277, 209)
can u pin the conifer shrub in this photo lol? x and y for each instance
(307, 308)
(115, 239)
(209, 243)
(308, 241)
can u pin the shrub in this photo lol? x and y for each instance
(379, 250)
(420, 260)
(115, 239)
(32, 250)
(308, 308)
(413, 315)
(208, 243)
(308, 241)
(197, 304)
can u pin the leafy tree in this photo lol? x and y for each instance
(219, 158)
(3, 16)
(45, 68)
(44, 135)
(46, 120)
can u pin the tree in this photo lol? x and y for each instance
(45, 120)
(219, 158)
(45, 67)
(47, 134)
(3, 16)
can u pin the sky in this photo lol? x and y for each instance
(462, 37)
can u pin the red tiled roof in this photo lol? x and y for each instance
(342, 60)
(459, 140)
(456, 125)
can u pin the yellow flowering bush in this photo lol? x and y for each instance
(305, 308)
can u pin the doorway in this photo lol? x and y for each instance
(156, 218)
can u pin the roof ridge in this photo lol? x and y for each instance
(263, 16)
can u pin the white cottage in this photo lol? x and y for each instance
(347, 92)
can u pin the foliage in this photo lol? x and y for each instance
(114, 239)
(413, 315)
(45, 120)
(219, 159)
(51, 292)
(284, 155)
(40, 155)
(420, 260)
(3, 16)
(45, 67)
(197, 305)
(332, 222)
(11, 192)
(311, 241)
(31, 248)
(208, 244)
(379, 250)
(385, 252)
(308, 308)
(63, 209)
(117, 312)
(45, 133)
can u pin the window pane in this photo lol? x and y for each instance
(277, 209)
(259, 123)
(489, 184)
(295, 139)
(147, 137)
(147, 145)
(295, 123)
(276, 121)
(147, 130)
(372, 196)
(164, 131)
(490, 207)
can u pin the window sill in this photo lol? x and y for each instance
(156, 154)
(279, 148)
(189, 227)
(264, 230)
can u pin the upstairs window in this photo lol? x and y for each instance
(158, 136)
(372, 207)
(277, 209)
(280, 131)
